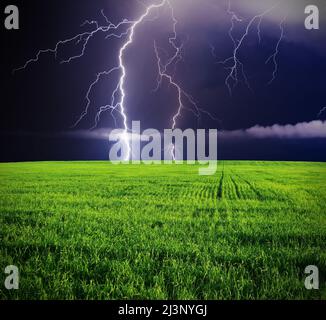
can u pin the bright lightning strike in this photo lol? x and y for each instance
(123, 69)
(112, 30)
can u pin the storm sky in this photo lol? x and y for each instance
(277, 121)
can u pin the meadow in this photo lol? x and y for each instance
(93, 230)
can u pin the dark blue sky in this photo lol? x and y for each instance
(42, 102)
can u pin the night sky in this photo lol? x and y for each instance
(41, 103)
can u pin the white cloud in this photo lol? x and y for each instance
(105, 134)
(304, 130)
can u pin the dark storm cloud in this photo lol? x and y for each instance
(213, 13)
(48, 97)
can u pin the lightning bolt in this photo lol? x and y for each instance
(83, 38)
(321, 112)
(122, 67)
(236, 69)
(184, 99)
(182, 96)
(273, 57)
(118, 97)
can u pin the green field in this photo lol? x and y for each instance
(93, 230)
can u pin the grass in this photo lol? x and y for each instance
(93, 230)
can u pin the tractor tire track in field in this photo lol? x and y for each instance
(222, 213)
(250, 185)
(254, 189)
(220, 187)
(236, 187)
